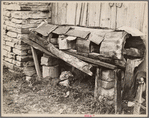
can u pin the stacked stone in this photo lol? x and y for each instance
(106, 86)
(50, 66)
(19, 18)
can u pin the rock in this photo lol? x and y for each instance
(28, 78)
(24, 58)
(8, 60)
(22, 36)
(19, 52)
(9, 65)
(64, 83)
(12, 34)
(107, 75)
(29, 63)
(65, 75)
(106, 84)
(23, 47)
(29, 71)
(28, 14)
(11, 44)
(8, 48)
(109, 94)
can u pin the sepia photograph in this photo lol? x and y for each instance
(74, 58)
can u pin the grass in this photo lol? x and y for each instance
(46, 97)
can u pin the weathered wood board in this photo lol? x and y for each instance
(81, 65)
(102, 14)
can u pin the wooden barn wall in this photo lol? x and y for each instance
(110, 15)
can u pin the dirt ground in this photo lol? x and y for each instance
(45, 97)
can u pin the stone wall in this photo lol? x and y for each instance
(18, 19)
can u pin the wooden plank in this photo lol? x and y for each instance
(53, 13)
(93, 61)
(81, 65)
(122, 15)
(35, 58)
(62, 13)
(61, 30)
(105, 15)
(144, 28)
(113, 17)
(134, 14)
(138, 15)
(78, 13)
(45, 29)
(84, 14)
(94, 14)
(71, 9)
(78, 33)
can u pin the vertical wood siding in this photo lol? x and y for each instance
(99, 14)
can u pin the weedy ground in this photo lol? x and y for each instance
(46, 97)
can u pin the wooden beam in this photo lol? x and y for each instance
(115, 90)
(81, 65)
(98, 75)
(93, 61)
(37, 67)
(119, 97)
(37, 46)
(129, 81)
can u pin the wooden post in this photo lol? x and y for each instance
(117, 87)
(98, 75)
(37, 67)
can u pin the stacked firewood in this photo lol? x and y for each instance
(19, 18)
